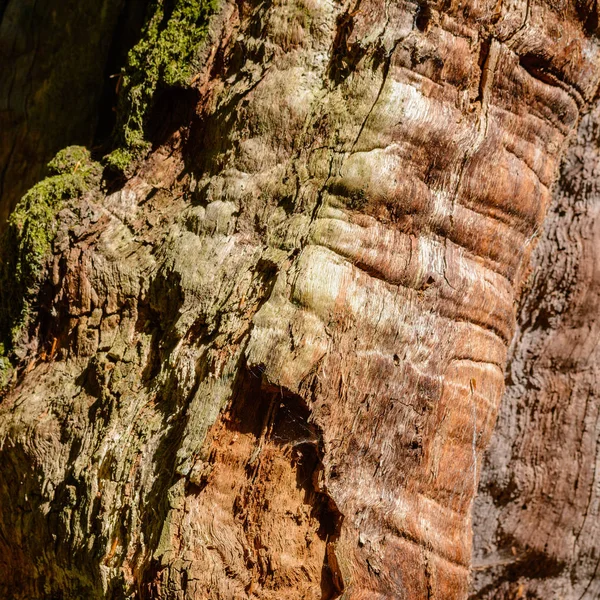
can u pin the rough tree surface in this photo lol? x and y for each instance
(266, 363)
(537, 518)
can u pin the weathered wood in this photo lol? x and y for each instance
(268, 365)
(537, 518)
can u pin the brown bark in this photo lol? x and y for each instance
(269, 364)
(537, 516)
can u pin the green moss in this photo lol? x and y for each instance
(119, 160)
(29, 234)
(166, 56)
(5, 368)
(76, 161)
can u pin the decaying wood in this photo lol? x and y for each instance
(269, 364)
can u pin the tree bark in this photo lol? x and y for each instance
(268, 364)
(537, 514)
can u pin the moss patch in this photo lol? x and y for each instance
(30, 231)
(5, 368)
(119, 160)
(166, 56)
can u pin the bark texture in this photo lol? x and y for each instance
(537, 516)
(267, 365)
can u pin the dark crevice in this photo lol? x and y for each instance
(541, 68)
(126, 36)
(538, 67)
(423, 16)
(588, 14)
(345, 56)
(484, 52)
(3, 6)
(171, 110)
(292, 426)
(281, 419)
(385, 72)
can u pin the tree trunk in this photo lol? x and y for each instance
(267, 362)
(537, 515)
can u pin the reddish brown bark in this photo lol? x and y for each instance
(537, 516)
(280, 346)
